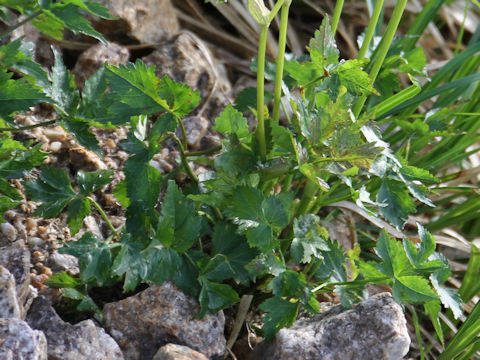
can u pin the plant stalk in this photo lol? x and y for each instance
(16, 26)
(282, 42)
(276, 8)
(377, 10)
(260, 132)
(383, 49)
(184, 133)
(309, 192)
(184, 160)
(336, 15)
(203, 152)
(104, 215)
(29, 127)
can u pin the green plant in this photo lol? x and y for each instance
(251, 224)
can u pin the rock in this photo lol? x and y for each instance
(196, 128)
(29, 33)
(63, 262)
(8, 231)
(91, 225)
(143, 323)
(148, 21)
(9, 307)
(19, 342)
(187, 59)
(374, 329)
(178, 352)
(16, 259)
(86, 160)
(93, 59)
(71, 342)
(35, 243)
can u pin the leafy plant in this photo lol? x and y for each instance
(251, 224)
(54, 190)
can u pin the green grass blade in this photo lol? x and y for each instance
(430, 10)
(470, 284)
(460, 83)
(395, 100)
(459, 214)
(465, 335)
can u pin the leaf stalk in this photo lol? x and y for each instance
(383, 49)
(282, 42)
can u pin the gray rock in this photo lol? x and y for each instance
(188, 60)
(83, 341)
(178, 352)
(8, 231)
(93, 59)
(63, 262)
(374, 329)
(16, 259)
(9, 307)
(148, 21)
(19, 342)
(143, 323)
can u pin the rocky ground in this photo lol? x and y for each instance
(156, 323)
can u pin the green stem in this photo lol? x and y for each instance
(462, 28)
(104, 215)
(23, 128)
(282, 43)
(260, 132)
(276, 8)
(336, 15)
(184, 160)
(311, 82)
(350, 283)
(184, 133)
(383, 49)
(309, 193)
(203, 152)
(377, 10)
(24, 21)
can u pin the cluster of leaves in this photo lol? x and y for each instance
(247, 226)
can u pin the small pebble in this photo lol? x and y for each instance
(10, 215)
(36, 242)
(110, 143)
(42, 230)
(30, 224)
(38, 255)
(56, 134)
(47, 271)
(9, 231)
(55, 146)
(38, 280)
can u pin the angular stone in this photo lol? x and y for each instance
(8, 231)
(93, 59)
(19, 342)
(188, 60)
(82, 341)
(63, 262)
(84, 159)
(178, 352)
(148, 21)
(143, 323)
(373, 329)
(16, 259)
(9, 307)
